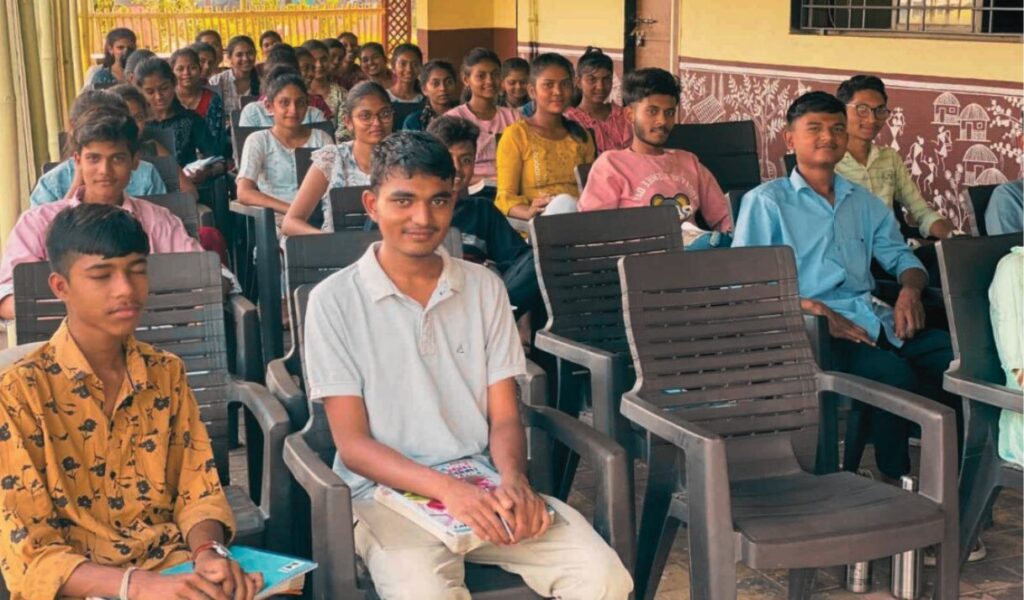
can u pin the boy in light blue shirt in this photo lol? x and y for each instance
(835, 228)
(56, 183)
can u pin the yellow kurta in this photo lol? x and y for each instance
(530, 165)
(77, 486)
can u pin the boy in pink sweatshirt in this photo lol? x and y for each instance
(648, 174)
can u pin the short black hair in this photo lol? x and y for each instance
(270, 33)
(364, 89)
(93, 229)
(453, 130)
(99, 126)
(282, 54)
(640, 84)
(333, 43)
(281, 77)
(201, 47)
(311, 45)
(859, 83)
(814, 102)
(410, 153)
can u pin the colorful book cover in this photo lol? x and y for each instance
(432, 515)
(281, 574)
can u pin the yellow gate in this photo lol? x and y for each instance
(165, 25)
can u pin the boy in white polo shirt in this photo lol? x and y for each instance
(414, 355)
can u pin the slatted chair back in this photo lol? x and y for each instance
(238, 136)
(182, 205)
(164, 137)
(347, 207)
(718, 337)
(167, 167)
(402, 111)
(582, 173)
(728, 150)
(184, 315)
(309, 259)
(977, 203)
(576, 257)
(967, 266)
(303, 161)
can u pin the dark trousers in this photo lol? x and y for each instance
(917, 367)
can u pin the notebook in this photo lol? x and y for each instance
(431, 515)
(281, 574)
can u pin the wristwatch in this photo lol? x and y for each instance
(217, 547)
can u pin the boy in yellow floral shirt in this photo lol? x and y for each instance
(107, 470)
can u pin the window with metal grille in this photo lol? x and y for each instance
(985, 18)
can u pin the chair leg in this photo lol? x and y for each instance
(657, 528)
(858, 431)
(947, 570)
(800, 583)
(979, 487)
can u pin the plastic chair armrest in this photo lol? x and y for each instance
(533, 385)
(246, 324)
(288, 393)
(575, 352)
(821, 341)
(244, 209)
(937, 422)
(973, 388)
(613, 515)
(273, 421)
(331, 517)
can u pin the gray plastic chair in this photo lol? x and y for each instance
(310, 453)
(576, 256)
(168, 169)
(582, 173)
(182, 205)
(185, 316)
(977, 197)
(728, 150)
(726, 376)
(968, 265)
(347, 207)
(238, 136)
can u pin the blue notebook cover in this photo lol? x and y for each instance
(278, 570)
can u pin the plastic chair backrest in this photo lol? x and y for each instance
(183, 206)
(167, 167)
(347, 207)
(303, 161)
(164, 137)
(967, 266)
(728, 150)
(238, 136)
(402, 111)
(576, 256)
(244, 101)
(324, 126)
(49, 166)
(718, 338)
(582, 173)
(184, 315)
(978, 197)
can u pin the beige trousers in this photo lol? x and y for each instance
(570, 561)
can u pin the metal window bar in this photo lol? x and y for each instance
(931, 17)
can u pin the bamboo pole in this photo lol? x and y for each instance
(33, 76)
(10, 178)
(49, 71)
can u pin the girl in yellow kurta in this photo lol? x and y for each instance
(537, 156)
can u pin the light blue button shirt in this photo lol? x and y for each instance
(55, 183)
(1005, 213)
(833, 244)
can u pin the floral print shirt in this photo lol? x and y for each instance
(79, 486)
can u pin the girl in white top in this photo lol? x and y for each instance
(481, 74)
(369, 116)
(241, 79)
(266, 173)
(406, 62)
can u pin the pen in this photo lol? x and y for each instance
(508, 529)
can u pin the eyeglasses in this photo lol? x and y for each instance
(864, 111)
(384, 116)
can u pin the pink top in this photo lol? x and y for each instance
(625, 179)
(27, 242)
(613, 133)
(486, 143)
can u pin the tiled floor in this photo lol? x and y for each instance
(999, 576)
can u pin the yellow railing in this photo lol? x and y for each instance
(163, 31)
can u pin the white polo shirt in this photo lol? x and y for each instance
(422, 372)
